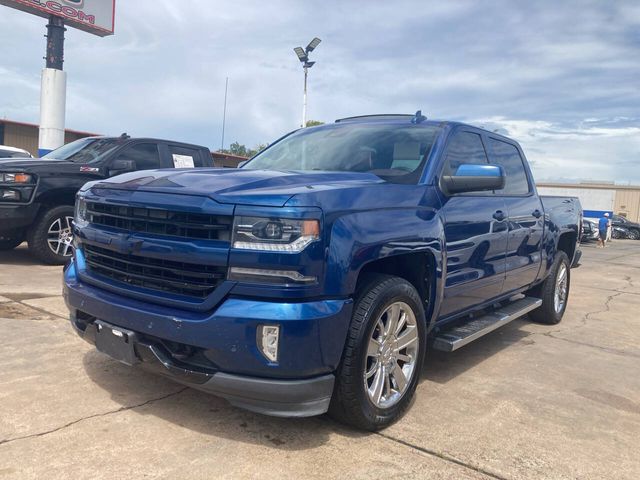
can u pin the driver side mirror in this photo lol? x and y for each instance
(474, 178)
(122, 166)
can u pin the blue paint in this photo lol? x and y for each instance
(596, 213)
(43, 151)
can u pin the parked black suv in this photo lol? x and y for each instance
(37, 195)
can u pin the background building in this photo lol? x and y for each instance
(227, 160)
(25, 135)
(599, 197)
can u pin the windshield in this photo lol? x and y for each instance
(396, 153)
(85, 150)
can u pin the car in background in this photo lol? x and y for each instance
(589, 231)
(37, 194)
(618, 232)
(12, 152)
(632, 227)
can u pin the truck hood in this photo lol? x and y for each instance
(271, 188)
(34, 165)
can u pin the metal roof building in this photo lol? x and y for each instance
(599, 197)
(25, 135)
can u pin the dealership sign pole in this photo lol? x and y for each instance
(53, 90)
(92, 16)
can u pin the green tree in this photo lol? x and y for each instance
(314, 123)
(257, 149)
(236, 148)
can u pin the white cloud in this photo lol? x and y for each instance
(593, 151)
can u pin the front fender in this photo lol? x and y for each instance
(358, 239)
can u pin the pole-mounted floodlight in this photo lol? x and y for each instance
(313, 44)
(303, 56)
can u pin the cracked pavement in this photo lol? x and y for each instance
(525, 402)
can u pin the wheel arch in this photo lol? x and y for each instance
(418, 268)
(56, 198)
(568, 243)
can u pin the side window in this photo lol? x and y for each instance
(465, 147)
(183, 157)
(144, 154)
(508, 156)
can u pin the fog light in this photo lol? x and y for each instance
(268, 336)
(10, 195)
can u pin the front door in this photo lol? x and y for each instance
(475, 227)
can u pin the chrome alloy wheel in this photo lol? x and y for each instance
(60, 236)
(392, 352)
(561, 290)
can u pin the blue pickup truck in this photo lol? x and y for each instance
(313, 278)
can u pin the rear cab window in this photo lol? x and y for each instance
(508, 157)
(185, 157)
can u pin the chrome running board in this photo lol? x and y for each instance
(462, 334)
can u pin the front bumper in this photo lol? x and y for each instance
(15, 217)
(284, 398)
(230, 363)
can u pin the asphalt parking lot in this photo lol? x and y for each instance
(528, 401)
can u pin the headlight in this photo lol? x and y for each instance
(18, 187)
(274, 234)
(88, 185)
(16, 178)
(80, 218)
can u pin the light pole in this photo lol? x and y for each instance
(303, 56)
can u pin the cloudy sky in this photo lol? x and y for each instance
(563, 78)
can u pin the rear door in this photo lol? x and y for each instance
(475, 226)
(525, 215)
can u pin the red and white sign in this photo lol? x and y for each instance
(93, 16)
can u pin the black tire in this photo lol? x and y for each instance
(9, 243)
(615, 234)
(547, 313)
(42, 243)
(351, 402)
(634, 234)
